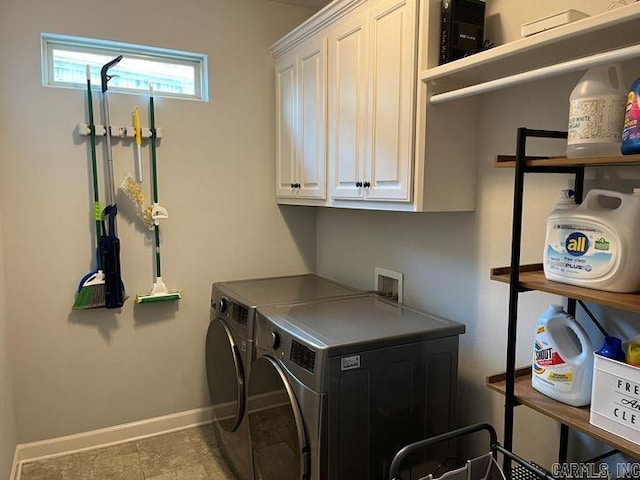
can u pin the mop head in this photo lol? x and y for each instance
(134, 191)
(159, 293)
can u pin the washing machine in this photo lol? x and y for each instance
(229, 350)
(357, 379)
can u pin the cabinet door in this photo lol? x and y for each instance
(310, 146)
(347, 104)
(286, 127)
(392, 50)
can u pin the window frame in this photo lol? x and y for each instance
(51, 41)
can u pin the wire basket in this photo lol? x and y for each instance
(484, 467)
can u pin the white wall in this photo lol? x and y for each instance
(504, 17)
(7, 414)
(446, 258)
(78, 371)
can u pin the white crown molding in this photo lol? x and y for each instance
(314, 24)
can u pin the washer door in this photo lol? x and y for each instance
(225, 376)
(278, 439)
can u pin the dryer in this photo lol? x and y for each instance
(357, 379)
(230, 351)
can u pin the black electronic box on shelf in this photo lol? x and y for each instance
(462, 28)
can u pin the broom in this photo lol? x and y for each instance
(91, 292)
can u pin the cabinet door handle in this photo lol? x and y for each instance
(293, 185)
(358, 184)
(296, 185)
(367, 184)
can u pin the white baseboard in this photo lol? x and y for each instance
(15, 471)
(105, 437)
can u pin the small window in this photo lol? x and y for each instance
(173, 73)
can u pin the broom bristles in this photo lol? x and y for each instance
(91, 296)
(91, 292)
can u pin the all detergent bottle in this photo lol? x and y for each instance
(596, 113)
(595, 244)
(562, 358)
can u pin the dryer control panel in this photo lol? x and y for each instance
(235, 313)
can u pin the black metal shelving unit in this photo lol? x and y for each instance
(530, 277)
(522, 168)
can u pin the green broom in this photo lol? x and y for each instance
(159, 291)
(91, 291)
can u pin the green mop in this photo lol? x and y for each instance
(91, 292)
(159, 291)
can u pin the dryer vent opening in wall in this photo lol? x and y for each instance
(389, 283)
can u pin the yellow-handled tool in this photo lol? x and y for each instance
(138, 130)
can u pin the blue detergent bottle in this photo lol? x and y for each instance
(631, 129)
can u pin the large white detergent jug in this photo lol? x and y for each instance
(562, 358)
(596, 113)
(595, 244)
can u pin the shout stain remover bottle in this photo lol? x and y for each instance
(562, 358)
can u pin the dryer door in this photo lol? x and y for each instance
(225, 376)
(278, 437)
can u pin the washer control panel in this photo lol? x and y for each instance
(285, 345)
(303, 356)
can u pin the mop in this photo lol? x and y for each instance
(132, 187)
(159, 291)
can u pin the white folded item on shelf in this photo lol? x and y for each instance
(551, 21)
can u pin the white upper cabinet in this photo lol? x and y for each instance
(286, 124)
(376, 149)
(348, 75)
(371, 84)
(301, 121)
(391, 99)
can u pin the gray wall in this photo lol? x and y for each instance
(78, 371)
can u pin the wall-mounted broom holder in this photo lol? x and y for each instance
(118, 132)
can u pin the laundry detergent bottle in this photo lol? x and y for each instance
(596, 113)
(631, 129)
(562, 358)
(595, 244)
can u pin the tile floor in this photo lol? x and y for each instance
(190, 454)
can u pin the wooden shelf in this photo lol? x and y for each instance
(532, 278)
(573, 417)
(531, 161)
(609, 30)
